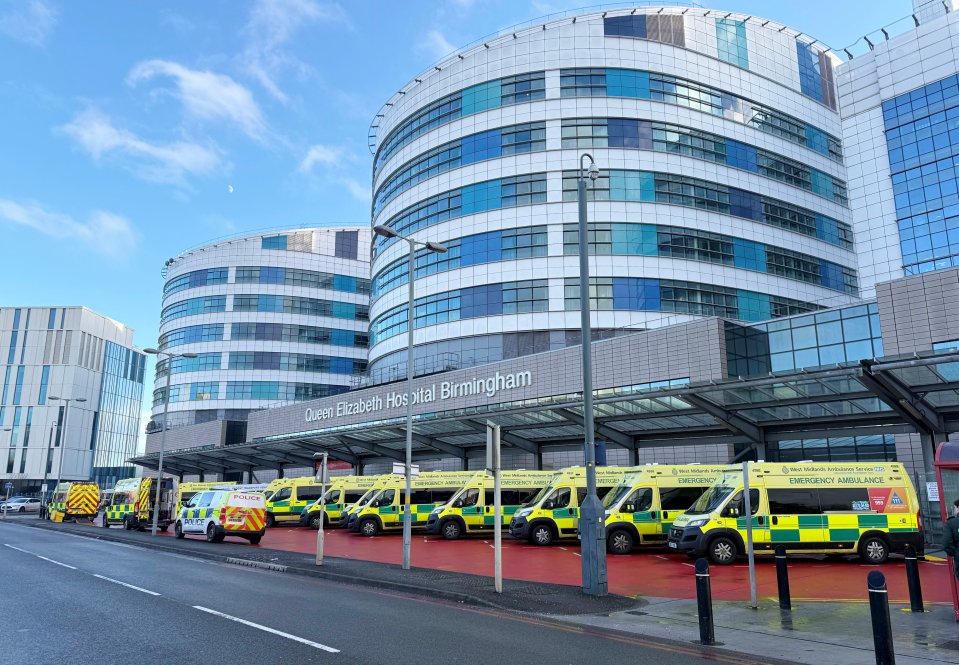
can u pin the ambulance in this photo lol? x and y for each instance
(274, 485)
(343, 492)
(428, 490)
(471, 509)
(131, 504)
(348, 517)
(220, 513)
(74, 500)
(290, 499)
(868, 508)
(554, 512)
(641, 509)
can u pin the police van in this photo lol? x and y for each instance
(289, 500)
(554, 512)
(186, 491)
(343, 492)
(220, 513)
(471, 508)
(641, 509)
(869, 508)
(385, 511)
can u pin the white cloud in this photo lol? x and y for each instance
(271, 26)
(207, 96)
(103, 232)
(358, 190)
(436, 45)
(319, 154)
(166, 163)
(27, 21)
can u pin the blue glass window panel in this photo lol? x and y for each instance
(204, 391)
(344, 310)
(481, 248)
(267, 303)
(859, 350)
(272, 275)
(480, 197)
(632, 186)
(13, 346)
(341, 365)
(6, 385)
(344, 283)
(636, 293)
(342, 337)
(44, 380)
(731, 42)
(822, 184)
(749, 255)
(273, 242)
(481, 97)
(753, 306)
(856, 329)
(832, 354)
(807, 358)
(624, 133)
(625, 26)
(627, 83)
(810, 80)
(780, 341)
(482, 146)
(634, 239)
(486, 300)
(741, 156)
(745, 204)
(804, 337)
(832, 276)
(829, 332)
(18, 386)
(52, 319)
(779, 362)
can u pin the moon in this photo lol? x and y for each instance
(229, 188)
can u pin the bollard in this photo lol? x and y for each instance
(912, 579)
(881, 625)
(782, 578)
(704, 599)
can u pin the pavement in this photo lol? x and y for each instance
(815, 632)
(79, 599)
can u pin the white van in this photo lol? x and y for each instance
(221, 513)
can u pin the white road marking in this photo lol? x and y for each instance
(578, 554)
(39, 556)
(129, 586)
(267, 629)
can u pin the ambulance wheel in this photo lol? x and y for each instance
(128, 523)
(316, 521)
(620, 542)
(212, 535)
(452, 530)
(722, 551)
(106, 522)
(255, 540)
(178, 530)
(874, 550)
(541, 534)
(270, 522)
(369, 528)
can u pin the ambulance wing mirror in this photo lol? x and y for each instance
(628, 508)
(731, 511)
(458, 503)
(548, 505)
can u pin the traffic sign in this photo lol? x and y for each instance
(8, 486)
(44, 488)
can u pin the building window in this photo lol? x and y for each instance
(18, 385)
(731, 42)
(193, 306)
(582, 82)
(212, 332)
(346, 245)
(815, 74)
(196, 279)
(44, 380)
(298, 305)
(273, 242)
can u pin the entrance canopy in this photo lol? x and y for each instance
(918, 394)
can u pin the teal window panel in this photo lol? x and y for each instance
(817, 139)
(481, 97)
(634, 239)
(822, 184)
(273, 242)
(344, 283)
(627, 83)
(480, 197)
(731, 42)
(753, 306)
(632, 186)
(344, 310)
(749, 255)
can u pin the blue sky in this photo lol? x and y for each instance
(124, 124)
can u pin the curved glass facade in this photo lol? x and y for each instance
(720, 196)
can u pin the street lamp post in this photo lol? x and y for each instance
(61, 432)
(386, 232)
(591, 514)
(166, 411)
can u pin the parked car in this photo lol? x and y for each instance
(21, 505)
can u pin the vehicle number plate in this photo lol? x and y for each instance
(673, 545)
(236, 519)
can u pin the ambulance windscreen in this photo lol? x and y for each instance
(711, 499)
(614, 496)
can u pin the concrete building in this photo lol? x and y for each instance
(722, 189)
(75, 353)
(273, 318)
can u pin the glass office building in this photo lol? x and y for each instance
(722, 188)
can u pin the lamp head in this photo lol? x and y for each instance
(151, 351)
(384, 231)
(436, 247)
(188, 355)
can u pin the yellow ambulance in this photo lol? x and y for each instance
(348, 516)
(287, 502)
(131, 504)
(641, 509)
(74, 500)
(554, 512)
(220, 513)
(385, 511)
(274, 485)
(343, 492)
(471, 509)
(869, 508)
